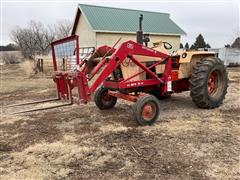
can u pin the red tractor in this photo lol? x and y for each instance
(140, 74)
(137, 73)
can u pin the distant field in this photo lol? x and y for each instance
(17, 53)
(15, 56)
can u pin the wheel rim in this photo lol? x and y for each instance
(215, 83)
(106, 98)
(212, 83)
(149, 111)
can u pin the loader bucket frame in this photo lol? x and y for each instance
(79, 77)
(68, 48)
(65, 54)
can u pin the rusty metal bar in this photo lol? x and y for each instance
(124, 96)
(33, 102)
(40, 109)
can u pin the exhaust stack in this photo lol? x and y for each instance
(140, 32)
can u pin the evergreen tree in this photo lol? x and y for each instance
(186, 46)
(200, 43)
(236, 43)
(9, 47)
(181, 45)
(208, 46)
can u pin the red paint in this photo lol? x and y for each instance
(124, 96)
(149, 111)
(212, 83)
(67, 80)
(180, 85)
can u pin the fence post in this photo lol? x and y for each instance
(41, 65)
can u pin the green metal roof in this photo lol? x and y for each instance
(108, 19)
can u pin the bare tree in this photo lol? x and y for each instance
(41, 36)
(62, 28)
(36, 38)
(25, 40)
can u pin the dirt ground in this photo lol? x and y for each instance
(82, 142)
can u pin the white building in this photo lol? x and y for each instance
(96, 26)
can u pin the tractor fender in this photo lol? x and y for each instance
(188, 60)
(187, 57)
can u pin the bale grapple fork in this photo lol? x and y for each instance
(71, 71)
(69, 54)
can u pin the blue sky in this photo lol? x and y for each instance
(217, 21)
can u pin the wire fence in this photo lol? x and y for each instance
(65, 54)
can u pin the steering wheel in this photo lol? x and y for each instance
(167, 45)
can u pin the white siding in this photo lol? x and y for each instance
(111, 38)
(87, 37)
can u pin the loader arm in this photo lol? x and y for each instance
(82, 71)
(127, 49)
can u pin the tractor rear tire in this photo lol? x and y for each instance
(208, 83)
(146, 110)
(103, 100)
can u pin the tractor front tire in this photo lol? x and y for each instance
(208, 83)
(103, 100)
(146, 110)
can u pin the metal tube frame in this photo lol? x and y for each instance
(107, 65)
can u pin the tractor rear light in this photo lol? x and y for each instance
(169, 84)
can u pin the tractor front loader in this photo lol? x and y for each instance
(137, 73)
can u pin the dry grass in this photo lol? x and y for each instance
(28, 67)
(10, 57)
(47, 64)
(82, 142)
(14, 79)
(44, 160)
